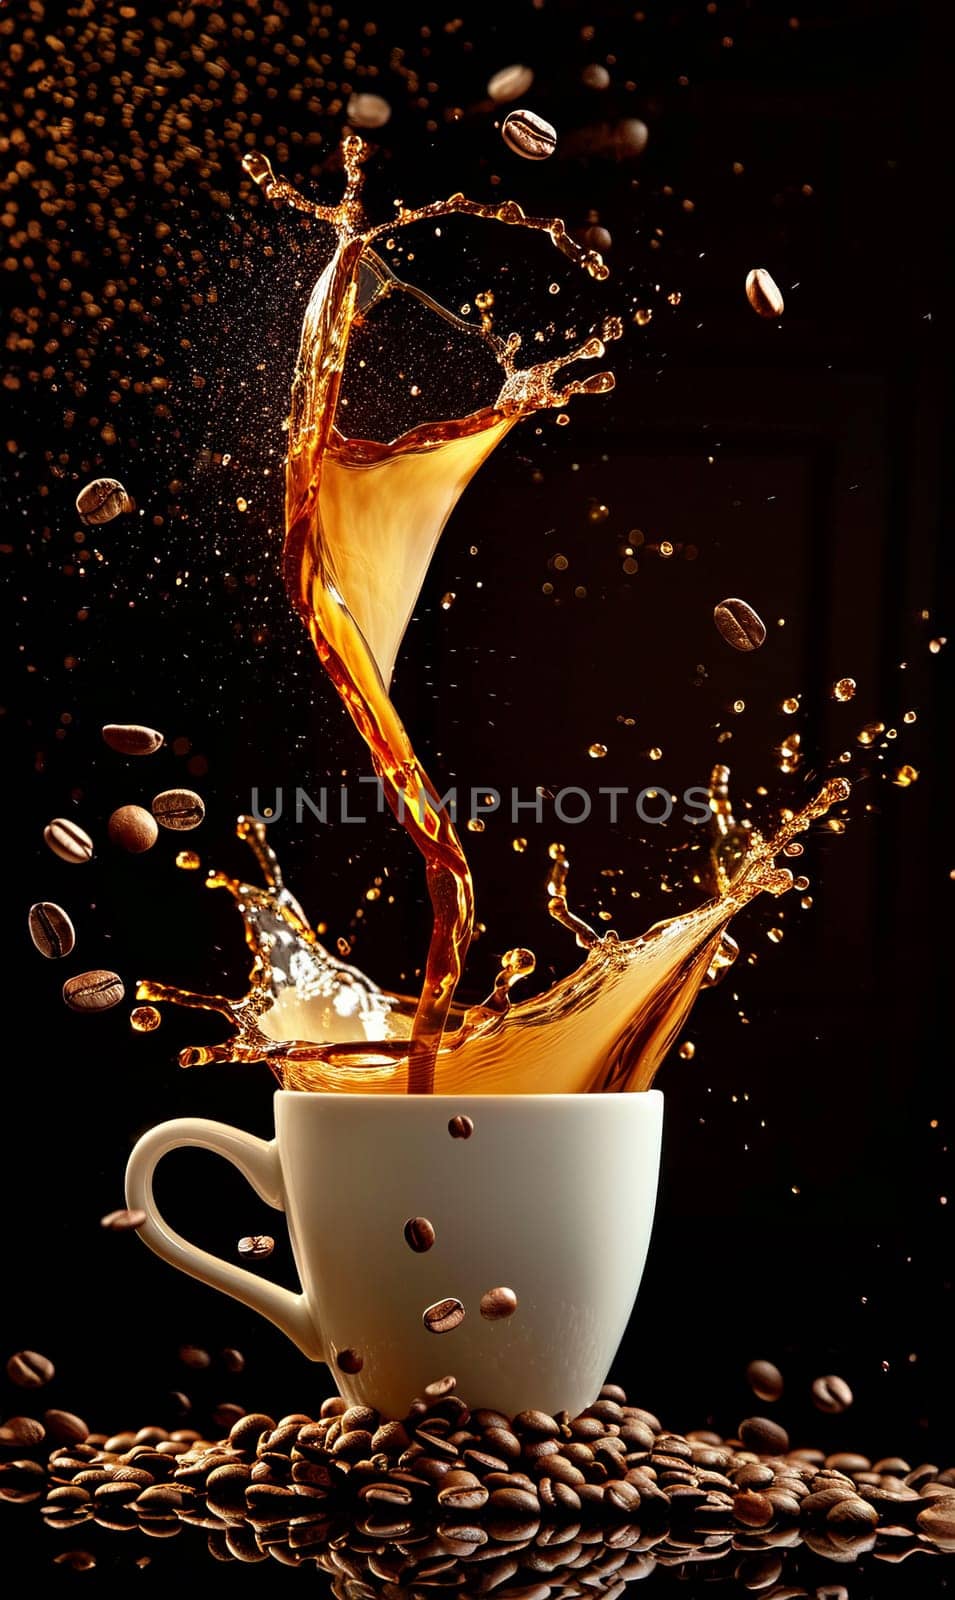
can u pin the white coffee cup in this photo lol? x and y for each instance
(552, 1196)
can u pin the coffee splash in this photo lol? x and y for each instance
(607, 1026)
(362, 521)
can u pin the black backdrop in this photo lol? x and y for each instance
(801, 1212)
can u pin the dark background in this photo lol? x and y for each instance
(801, 1212)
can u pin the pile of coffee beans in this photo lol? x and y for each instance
(539, 1502)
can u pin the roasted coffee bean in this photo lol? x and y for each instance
(741, 627)
(753, 1509)
(848, 1461)
(765, 1380)
(350, 1361)
(192, 1355)
(535, 1425)
(831, 1395)
(851, 1518)
(462, 1491)
(764, 294)
(515, 1499)
(233, 1360)
(75, 1560)
(753, 1475)
(21, 1481)
(22, 1431)
(529, 135)
(390, 1437)
(352, 1446)
(440, 1388)
(622, 1496)
(359, 1417)
(179, 809)
(764, 1437)
(98, 990)
(386, 1493)
(509, 83)
(937, 1521)
(497, 1304)
(256, 1246)
(609, 1411)
(51, 930)
(133, 828)
(29, 1370)
(637, 1436)
(444, 1316)
(247, 1432)
(132, 738)
(367, 111)
(460, 1127)
(122, 1221)
(102, 500)
(63, 1427)
(68, 841)
(226, 1486)
(227, 1414)
(435, 1447)
(818, 1504)
(419, 1234)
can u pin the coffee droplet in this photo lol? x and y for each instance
(739, 625)
(831, 1395)
(102, 500)
(367, 111)
(179, 809)
(687, 1050)
(68, 840)
(595, 76)
(145, 1019)
(444, 1316)
(132, 828)
(132, 738)
(599, 238)
(122, 1221)
(763, 294)
(844, 690)
(51, 930)
(256, 1246)
(98, 990)
(529, 136)
(419, 1234)
(349, 1361)
(509, 83)
(497, 1304)
(188, 861)
(460, 1127)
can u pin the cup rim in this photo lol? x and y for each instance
(636, 1095)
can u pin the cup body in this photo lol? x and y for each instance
(551, 1196)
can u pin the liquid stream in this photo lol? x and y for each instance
(362, 522)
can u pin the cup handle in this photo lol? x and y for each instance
(258, 1161)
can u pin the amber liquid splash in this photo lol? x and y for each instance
(322, 1025)
(362, 522)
